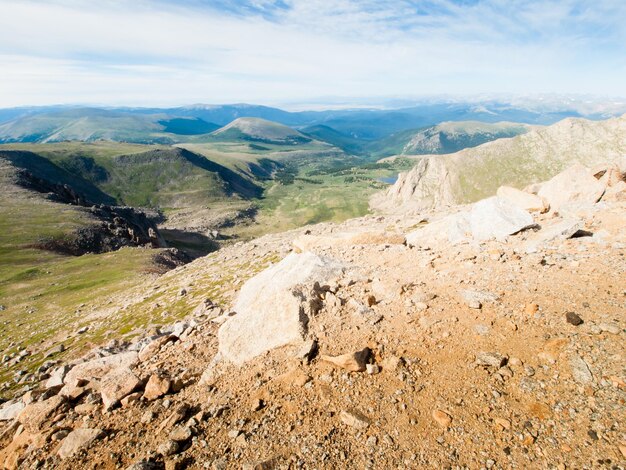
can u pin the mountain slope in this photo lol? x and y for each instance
(450, 137)
(332, 136)
(473, 173)
(260, 130)
(42, 169)
(447, 137)
(85, 124)
(93, 124)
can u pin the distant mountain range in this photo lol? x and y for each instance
(348, 128)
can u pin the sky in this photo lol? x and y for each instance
(167, 53)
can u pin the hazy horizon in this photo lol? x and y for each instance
(282, 52)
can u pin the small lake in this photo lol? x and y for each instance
(388, 179)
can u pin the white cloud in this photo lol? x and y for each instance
(108, 52)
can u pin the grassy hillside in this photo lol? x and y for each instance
(84, 124)
(44, 169)
(41, 292)
(146, 176)
(259, 130)
(338, 139)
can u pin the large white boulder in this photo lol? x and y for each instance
(273, 307)
(98, 368)
(574, 185)
(554, 232)
(451, 229)
(524, 200)
(497, 218)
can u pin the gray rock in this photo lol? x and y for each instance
(497, 218)
(580, 370)
(55, 350)
(169, 447)
(56, 378)
(11, 409)
(609, 328)
(77, 440)
(181, 434)
(144, 465)
(273, 307)
(490, 359)
(477, 296)
(308, 350)
(452, 229)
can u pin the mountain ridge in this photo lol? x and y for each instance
(470, 174)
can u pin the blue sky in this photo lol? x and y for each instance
(161, 52)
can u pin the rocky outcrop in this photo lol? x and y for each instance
(475, 173)
(429, 184)
(273, 308)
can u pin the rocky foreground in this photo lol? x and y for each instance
(482, 336)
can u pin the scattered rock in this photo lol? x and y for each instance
(352, 362)
(573, 319)
(503, 423)
(181, 434)
(530, 309)
(34, 416)
(157, 386)
(609, 328)
(580, 370)
(154, 346)
(169, 447)
(490, 359)
(116, 385)
(98, 368)
(77, 440)
(11, 409)
(552, 349)
(354, 419)
(132, 398)
(475, 298)
(308, 350)
(55, 350)
(55, 382)
(442, 418)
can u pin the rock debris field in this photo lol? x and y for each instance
(482, 336)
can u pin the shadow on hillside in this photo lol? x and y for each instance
(195, 244)
(44, 171)
(236, 183)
